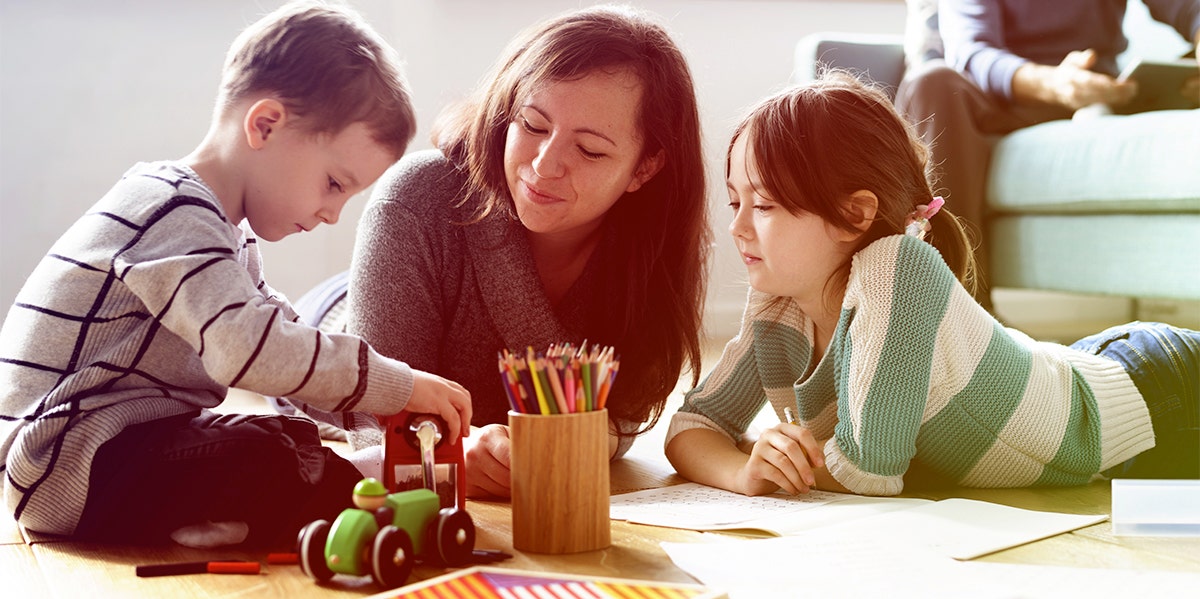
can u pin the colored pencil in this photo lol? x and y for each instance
(569, 387)
(508, 389)
(564, 379)
(556, 386)
(514, 387)
(608, 383)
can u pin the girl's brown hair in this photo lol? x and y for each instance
(663, 238)
(816, 143)
(328, 66)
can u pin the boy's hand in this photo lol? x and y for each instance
(433, 394)
(489, 472)
(782, 458)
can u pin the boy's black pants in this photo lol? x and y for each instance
(268, 471)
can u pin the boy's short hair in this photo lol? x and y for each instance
(326, 64)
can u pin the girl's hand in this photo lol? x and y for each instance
(489, 473)
(783, 458)
(432, 394)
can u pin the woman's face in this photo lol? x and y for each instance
(573, 150)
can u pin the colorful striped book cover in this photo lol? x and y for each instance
(497, 583)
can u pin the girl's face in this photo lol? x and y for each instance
(573, 150)
(785, 254)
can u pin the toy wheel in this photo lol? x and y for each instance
(311, 548)
(453, 536)
(392, 557)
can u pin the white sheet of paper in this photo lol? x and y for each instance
(829, 563)
(957, 528)
(812, 564)
(699, 507)
(965, 528)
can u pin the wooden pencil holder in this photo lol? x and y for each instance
(560, 483)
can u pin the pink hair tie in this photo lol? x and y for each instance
(917, 223)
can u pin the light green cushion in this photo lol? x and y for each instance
(1148, 162)
(1145, 255)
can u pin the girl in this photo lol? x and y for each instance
(566, 202)
(861, 320)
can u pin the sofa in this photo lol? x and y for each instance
(1104, 205)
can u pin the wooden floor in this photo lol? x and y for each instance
(33, 566)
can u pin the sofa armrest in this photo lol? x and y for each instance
(877, 57)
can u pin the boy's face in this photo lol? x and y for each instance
(299, 180)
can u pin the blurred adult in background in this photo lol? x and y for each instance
(1010, 64)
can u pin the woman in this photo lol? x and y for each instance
(565, 203)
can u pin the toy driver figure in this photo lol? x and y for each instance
(371, 495)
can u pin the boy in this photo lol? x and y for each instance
(153, 304)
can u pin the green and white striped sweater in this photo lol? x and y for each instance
(918, 371)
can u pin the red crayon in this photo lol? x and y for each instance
(227, 567)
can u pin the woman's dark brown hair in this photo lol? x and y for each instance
(663, 239)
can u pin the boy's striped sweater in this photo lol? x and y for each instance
(917, 371)
(152, 305)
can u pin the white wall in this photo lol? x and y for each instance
(88, 88)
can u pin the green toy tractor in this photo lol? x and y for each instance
(387, 533)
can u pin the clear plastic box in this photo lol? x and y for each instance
(1156, 508)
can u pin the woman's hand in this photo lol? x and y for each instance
(783, 458)
(489, 473)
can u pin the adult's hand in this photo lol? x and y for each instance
(1191, 87)
(1070, 84)
(489, 473)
